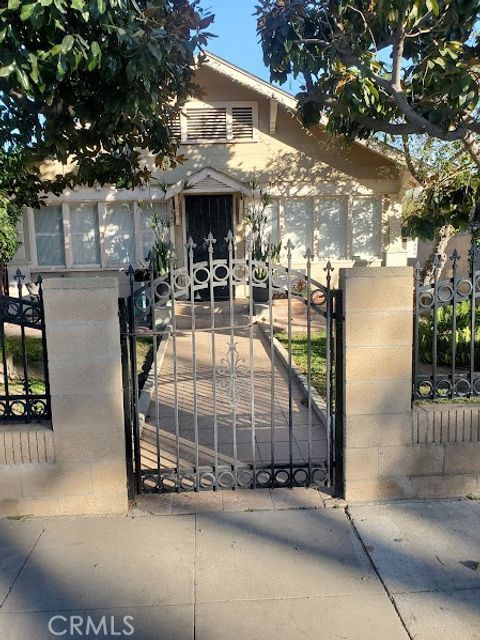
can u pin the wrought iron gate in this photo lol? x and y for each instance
(225, 406)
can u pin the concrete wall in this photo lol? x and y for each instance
(80, 465)
(388, 450)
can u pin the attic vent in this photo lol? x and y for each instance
(242, 123)
(176, 128)
(209, 123)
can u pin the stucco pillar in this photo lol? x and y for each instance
(81, 317)
(377, 374)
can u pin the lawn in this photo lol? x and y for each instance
(319, 356)
(34, 365)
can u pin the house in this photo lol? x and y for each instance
(342, 201)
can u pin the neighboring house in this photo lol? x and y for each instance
(343, 201)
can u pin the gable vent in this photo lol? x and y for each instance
(208, 123)
(242, 123)
(176, 128)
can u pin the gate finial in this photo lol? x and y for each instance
(210, 241)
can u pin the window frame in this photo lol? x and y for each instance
(228, 105)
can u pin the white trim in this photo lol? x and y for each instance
(67, 238)
(273, 115)
(232, 184)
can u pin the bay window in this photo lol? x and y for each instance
(49, 236)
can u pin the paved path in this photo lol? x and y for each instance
(264, 390)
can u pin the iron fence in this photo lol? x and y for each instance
(24, 382)
(447, 331)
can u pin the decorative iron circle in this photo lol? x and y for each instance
(13, 309)
(443, 388)
(476, 386)
(245, 479)
(464, 287)
(199, 270)
(282, 477)
(32, 315)
(462, 387)
(187, 482)
(426, 299)
(260, 275)
(300, 477)
(226, 480)
(207, 480)
(318, 297)
(477, 283)
(38, 407)
(149, 484)
(239, 273)
(279, 279)
(168, 482)
(18, 408)
(3, 409)
(181, 281)
(216, 269)
(263, 478)
(424, 389)
(163, 289)
(319, 475)
(445, 292)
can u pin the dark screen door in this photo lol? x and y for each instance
(205, 214)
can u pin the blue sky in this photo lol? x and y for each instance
(237, 39)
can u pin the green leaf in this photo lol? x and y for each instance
(13, 4)
(67, 43)
(432, 5)
(78, 5)
(7, 70)
(101, 6)
(95, 49)
(27, 11)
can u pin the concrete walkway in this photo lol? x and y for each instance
(249, 571)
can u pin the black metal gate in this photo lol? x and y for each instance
(234, 398)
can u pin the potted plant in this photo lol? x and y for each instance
(263, 249)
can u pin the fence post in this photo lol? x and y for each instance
(377, 370)
(82, 326)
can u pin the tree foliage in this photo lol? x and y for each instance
(400, 67)
(95, 82)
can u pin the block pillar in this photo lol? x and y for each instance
(377, 380)
(82, 329)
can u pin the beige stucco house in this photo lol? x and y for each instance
(343, 201)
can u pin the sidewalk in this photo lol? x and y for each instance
(265, 569)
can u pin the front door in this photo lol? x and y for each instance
(207, 214)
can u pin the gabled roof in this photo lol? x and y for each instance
(207, 180)
(287, 100)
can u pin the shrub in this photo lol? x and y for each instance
(444, 335)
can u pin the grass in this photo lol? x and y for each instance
(319, 356)
(34, 350)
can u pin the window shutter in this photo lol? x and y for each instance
(242, 123)
(208, 123)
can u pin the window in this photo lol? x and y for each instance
(49, 236)
(298, 225)
(85, 235)
(332, 228)
(151, 213)
(366, 227)
(272, 227)
(119, 235)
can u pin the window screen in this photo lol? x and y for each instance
(332, 227)
(298, 226)
(119, 234)
(366, 227)
(49, 236)
(85, 235)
